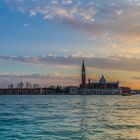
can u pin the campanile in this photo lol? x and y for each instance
(83, 76)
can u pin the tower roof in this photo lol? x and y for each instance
(83, 64)
(102, 79)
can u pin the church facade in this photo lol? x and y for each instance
(101, 87)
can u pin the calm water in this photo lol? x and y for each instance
(70, 117)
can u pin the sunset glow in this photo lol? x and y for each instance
(45, 41)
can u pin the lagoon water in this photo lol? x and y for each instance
(70, 117)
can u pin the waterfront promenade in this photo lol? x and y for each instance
(50, 91)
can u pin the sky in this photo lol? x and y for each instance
(45, 41)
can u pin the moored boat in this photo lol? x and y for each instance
(125, 91)
(127, 94)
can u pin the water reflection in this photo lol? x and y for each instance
(83, 123)
(70, 117)
(108, 118)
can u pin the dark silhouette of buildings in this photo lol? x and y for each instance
(100, 87)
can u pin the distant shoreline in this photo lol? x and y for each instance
(64, 94)
(45, 91)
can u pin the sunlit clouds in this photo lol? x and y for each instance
(61, 33)
(120, 18)
(111, 63)
(44, 80)
(116, 20)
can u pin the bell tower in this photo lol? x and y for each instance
(83, 76)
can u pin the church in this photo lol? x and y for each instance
(101, 87)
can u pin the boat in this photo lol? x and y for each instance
(125, 91)
(127, 94)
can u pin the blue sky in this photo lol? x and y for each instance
(22, 34)
(50, 39)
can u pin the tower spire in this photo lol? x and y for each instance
(83, 64)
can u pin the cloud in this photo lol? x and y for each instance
(26, 25)
(117, 18)
(135, 78)
(42, 80)
(67, 2)
(112, 62)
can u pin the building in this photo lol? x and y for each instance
(71, 90)
(101, 87)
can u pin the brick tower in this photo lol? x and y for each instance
(83, 76)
